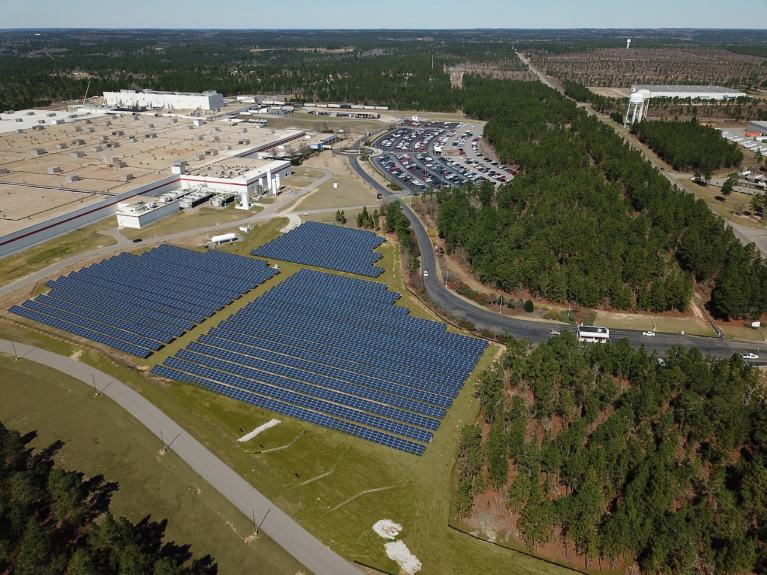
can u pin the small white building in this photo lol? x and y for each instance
(140, 214)
(208, 100)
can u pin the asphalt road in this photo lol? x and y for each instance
(538, 331)
(278, 525)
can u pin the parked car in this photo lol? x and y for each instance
(137, 240)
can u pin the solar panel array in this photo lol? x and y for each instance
(334, 351)
(139, 303)
(327, 246)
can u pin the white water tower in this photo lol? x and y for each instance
(628, 43)
(636, 109)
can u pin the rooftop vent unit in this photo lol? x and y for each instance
(37, 151)
(77, 154)
(78, 142)
(61, 146)
(72, 178)
(96, 149)
(54, 170)
(126, 177)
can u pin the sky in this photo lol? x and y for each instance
(389, 14)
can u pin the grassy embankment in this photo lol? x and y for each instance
(100, 438)
(418, 488)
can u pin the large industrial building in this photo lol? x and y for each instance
(757, 127)
(62, 177)
(129, 99)
(682, 91)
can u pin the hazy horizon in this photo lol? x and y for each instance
(394, 15)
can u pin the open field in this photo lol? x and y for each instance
(101, 438)
(188, 220)
(691, 325)
(618, 67)
(350, 192)
(728, 209)
(311, 122)
(419, 487)
(38, 257)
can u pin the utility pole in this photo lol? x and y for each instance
(95, 389)
(262, 521)
(16, 355)
(167, 447)
(447, 275)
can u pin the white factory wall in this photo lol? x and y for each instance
(235, 185)
(49, 229)
(142, 220)
(58, 226)
(127, 98)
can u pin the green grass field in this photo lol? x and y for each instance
(188, 220)
(101, 438)
(418, 488)
(38, 257)
(350, 192)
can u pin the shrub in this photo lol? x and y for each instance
(529, 307)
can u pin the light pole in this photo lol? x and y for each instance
(262, 521)
(447, 275)
(16, 355)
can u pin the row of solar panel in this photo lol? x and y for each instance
(296, 412)
(157, 289)
(402, 384)
(82, 332)
(330, 378)
(221, 263)
(442, 384)
(102, 286)
(126, 302)
(95, 326)
(354, 341)
(410, 348)
(342, 297)
(311, 386)
(154, 281)
(371, 388)
(313, 403)
(361, 286)
(117, 322)
(206, 283)
(109, 306)
(327, 246)
(392, 324)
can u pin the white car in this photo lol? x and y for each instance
(555, 332)
(749, 356)
(425, 273)
(649, 333)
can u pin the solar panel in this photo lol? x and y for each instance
(335, 347)
(139, 303)
(327, 246)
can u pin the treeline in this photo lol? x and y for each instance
(396, 222)
(391, 68)
(603, 449)
(588, 219)
(689, 145)
(581, 93)
(56, 521)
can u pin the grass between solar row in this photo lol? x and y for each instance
(339, 508)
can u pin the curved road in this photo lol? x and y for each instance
(536, 331)
(279, 526)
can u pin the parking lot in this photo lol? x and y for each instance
(437, 154)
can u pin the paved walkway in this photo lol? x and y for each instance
(279, 526)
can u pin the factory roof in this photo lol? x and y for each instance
(684, 88)
(83, 163)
